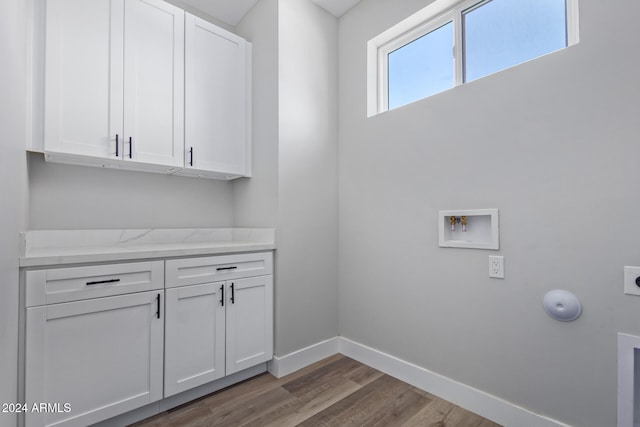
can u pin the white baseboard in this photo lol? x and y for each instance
(285, 365)
(472, 399)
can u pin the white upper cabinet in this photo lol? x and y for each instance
(217, 102)
(142, 85)
(114, 83)
(83, 75)
(154, 82)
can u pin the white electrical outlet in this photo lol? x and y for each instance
(496, 267)
(631, 275)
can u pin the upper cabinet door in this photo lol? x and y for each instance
(217, 135)
(153, 82)
(83, 76)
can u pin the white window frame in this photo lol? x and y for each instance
(426, 20)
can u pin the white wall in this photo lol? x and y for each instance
(256, 198)
(294, 184)
(65, 196)
(13, 47)
(553, 144)
(306, 259)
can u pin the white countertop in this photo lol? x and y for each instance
(41, 248)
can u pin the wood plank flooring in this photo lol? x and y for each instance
(337, 391)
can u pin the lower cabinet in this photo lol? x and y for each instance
(249, 338)
(217, 328)
(93, 359)
(102, 340)
(194, 337)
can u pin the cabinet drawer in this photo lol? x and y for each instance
(194, 271)
(81, 283)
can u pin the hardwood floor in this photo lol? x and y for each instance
(337, 391)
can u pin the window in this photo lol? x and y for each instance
(501, 33)
(451, 42)
(421, 68)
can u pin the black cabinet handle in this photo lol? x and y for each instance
(130, 147)
(222, 295)
(117, 145)
(233, 294)
(226, 268)
(191, 156)
(100, 282)
(158, 306)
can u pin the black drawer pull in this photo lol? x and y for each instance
(226, 268)
(100, 282)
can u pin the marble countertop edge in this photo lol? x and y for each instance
(59, 248)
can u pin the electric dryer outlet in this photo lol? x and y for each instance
(632, 280)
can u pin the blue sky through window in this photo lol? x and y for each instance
(421, 68)
(503, 33)
(497, 34)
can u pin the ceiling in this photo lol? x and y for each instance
(336, 7)
(232, 11)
